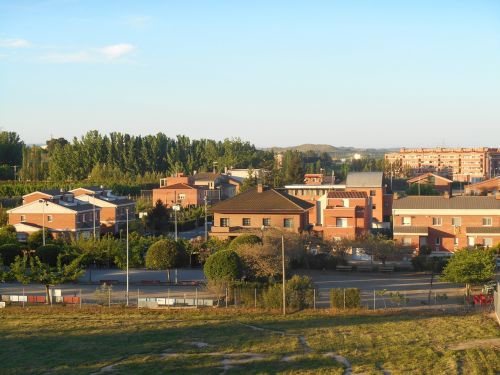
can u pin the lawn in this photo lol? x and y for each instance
(65, 340)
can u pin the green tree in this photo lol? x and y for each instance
(27, 269)
(35, 239)
(470, 267)
(49, 254)
(8, 235)
(162, 255)
(9, 252)
(157, 219)
(223, 266)
(244, 239)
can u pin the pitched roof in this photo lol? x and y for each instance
(178, 186)
(452, 203)
(481, 230)
(268, 201)
(425, 176)
(205, 176)
(95, 189)
(347, 194)
(485, 182)
(364, 179)
(50, 192)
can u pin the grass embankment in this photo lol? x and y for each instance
(70, 341)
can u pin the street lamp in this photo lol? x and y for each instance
(93, 204)
(126, 210)
(44, 203)
(206, 225)
(176, 208)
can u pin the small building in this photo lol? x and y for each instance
(447, 223)
(486, 187)
(439, 183)
(257, 209)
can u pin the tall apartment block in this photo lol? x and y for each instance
(458, 164)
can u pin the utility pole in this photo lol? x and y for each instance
(284, 278)
(126, 210)
(206, 225)
(93, 207)
(176, 208)
(43, 219)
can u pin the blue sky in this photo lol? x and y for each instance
(346, 73)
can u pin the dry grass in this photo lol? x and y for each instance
(64, 340)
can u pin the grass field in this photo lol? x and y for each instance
(63, 340)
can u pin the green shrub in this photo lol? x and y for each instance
(321, 261)
(8, 253)
(299, 294)
(224, 265)
(48, 254)
(352, 298)
(244, 240)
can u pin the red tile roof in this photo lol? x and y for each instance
(347, 194)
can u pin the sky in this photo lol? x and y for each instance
(275, 73)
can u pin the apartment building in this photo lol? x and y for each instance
(59, 213)
(447, 223)
(113, 208)
(257, 209)
(459, 164)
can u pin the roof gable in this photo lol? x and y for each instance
(427, 175)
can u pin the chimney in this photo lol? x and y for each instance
(260, 188)
(446, 195)
(395, 196)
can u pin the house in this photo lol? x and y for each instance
(439, 183)
(372, 183)
(60, 216)
(447, 223)
(491, 186)
(51, 194)
(257, 209)
(345, 214)
(113, 208)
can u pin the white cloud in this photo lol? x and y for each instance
(116, 50)
(91, 55)
(14, 43)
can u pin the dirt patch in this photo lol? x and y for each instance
(474, 344)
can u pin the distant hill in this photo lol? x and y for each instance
(335, 152)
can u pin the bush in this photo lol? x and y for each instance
(352, 298)
(423, 263)
(163, 254)
(35, 239)
(48, 254)
(299, 294)
(223, 266)
(8, 253)
(244, 240)
(322, 261)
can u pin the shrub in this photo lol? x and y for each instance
(322, 261)
(299, 294)
(352, 298)
(35, 239)
(161, 255)
(245, 239)
(48, 254)
(223, 266)
(8, 253)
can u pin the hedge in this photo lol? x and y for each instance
(352, 298)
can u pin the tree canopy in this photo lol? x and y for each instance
(470, 266)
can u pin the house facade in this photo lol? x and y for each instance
(257, 209)
(447, 223)
(486, 187)
(439, 183)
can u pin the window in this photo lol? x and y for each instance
(406, 220)
(288, 223)
(437, 221)
(487, 242)
(246, 221)
(438, 241)
(487, 221)
(341, 222)
(266, 222)
(23, 218)
(78, 218)
(345, 202)
(456, 242)
(456, 221)
(49, 218)
(374, 206)
(373, 193)
(182, 197)
(224, 221)
(407, 241)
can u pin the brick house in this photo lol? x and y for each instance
(61, 217)
(491, 186)
(113, 208)
(439, 183)
(257, 209)
(346, 214)
(447, 223)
